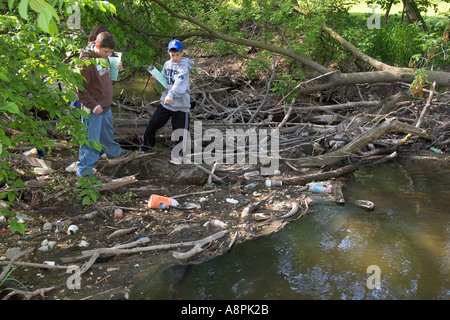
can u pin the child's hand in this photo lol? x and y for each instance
(98, 109)
(168, 100)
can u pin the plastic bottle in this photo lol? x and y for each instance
(218, 223)
(118, 213)
(273, 183)
(250, 174)
(59, 228)
(30, 153)
(155, 202)
(250, 186)
(320, 188)
(436, 150)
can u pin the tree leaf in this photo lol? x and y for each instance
(11, 107)
(48, 7)
(53, 29)
(44, 21)
(36, 6)
(86, 201)
(19, 227)
(10, 4)
(4, 77)
(23, 9)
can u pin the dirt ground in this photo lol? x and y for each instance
(111, 276)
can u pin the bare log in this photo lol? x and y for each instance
(117, 183)
(29, 294)
(121, 232)
(386, 72)
(120, 160)
(119, 251)
(342, 171)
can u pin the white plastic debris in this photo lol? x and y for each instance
(231, 200)
(218, 223)
(72, 229)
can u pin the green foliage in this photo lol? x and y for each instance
(399, 43)
(38, 81)
(123, 198)
(284, 84)
(17, 226)
(131, 24)
(9, 278)
(419, 82)
(87, 191)
(31, 68)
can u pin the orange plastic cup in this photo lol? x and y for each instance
(160, 202)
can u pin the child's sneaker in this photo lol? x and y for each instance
(176, 161)
(124, 153)
(143, 149)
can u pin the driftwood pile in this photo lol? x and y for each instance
(329, 131)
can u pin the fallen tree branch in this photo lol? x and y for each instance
(29, 294)
(422, 115)
(288, 114)
(387, 73)
(320, 176)
(13, 260)
(119, 251)
(120, 160)
(390, 125)
(269, 83)
(250, 208)
(117, 183)
(121, 232)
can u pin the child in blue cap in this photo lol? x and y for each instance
(175, 101)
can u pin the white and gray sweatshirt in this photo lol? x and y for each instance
(177, 76)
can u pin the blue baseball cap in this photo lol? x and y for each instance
(175, 44)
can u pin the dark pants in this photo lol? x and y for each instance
(180, 120)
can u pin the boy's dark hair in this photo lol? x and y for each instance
(106, 40)
(95, 32)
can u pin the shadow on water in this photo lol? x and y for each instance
(326, 253)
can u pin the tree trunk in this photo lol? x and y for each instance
(388, 10)
(413, 14)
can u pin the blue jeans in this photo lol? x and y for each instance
(100, 129)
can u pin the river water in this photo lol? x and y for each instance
(336, 251)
